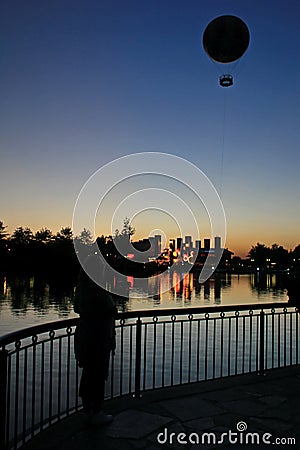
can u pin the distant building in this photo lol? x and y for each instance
(188, 242)
(157, 245)
(207, 244)
(178, 244)
(172, 244)
(217, 242)
(197, 244)
(151, 241)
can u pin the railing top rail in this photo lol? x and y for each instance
(37, 329)
(201, 310)
(65, 323)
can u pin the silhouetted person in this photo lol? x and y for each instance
(94, 339)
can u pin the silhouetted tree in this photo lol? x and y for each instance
(259, 255)
(64, 235)
(21, 250)
(279, 256)
(127, 229)
(44, 235)
(295, 258)
(21, 236)
(3, 233)
(122, 239)
(86, 237)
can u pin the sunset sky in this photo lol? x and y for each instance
(86, 82)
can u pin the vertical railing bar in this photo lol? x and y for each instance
(145, 354)
(121, 359)
(51, 334)
(229, 345)
(297, 335)
(42, 386)
(206, 346)
(236, 341)
(222, 345)
(266, 340)
(273, 337)
(181, 352)
(17, 392)
(262, 343)
(138, 348)
(59, 377)
(34, 340)
(284, 336)
(8, 417)
(291, 338)
(154, 355)
(198, 349)
(250, 341)
(130, 359)
(24, 395)
(244, 343)
(163, 355)
(172, 350)
(68, 369)
(214, 348)
(257, 343)
(279, 340)
(190, 348)
(4, 396)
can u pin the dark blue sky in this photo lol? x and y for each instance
(85, 82)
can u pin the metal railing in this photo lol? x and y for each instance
(39, 376)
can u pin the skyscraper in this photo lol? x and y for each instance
(188, 241)
(217, 242)
(179, 244)
(207, 244)
(197, 244)
(157, 244)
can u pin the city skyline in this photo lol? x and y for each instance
(85, 85)
(164, 244)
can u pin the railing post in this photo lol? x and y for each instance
(138, 354)
(3, 396)
(261, 369)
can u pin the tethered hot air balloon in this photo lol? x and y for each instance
(225, 40)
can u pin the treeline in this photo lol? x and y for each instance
(46, 253)
(25, 252)
(275, 257)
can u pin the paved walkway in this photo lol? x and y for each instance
(262, 404)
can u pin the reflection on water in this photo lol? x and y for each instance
(25, 301)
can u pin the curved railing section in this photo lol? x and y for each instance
(39, 376)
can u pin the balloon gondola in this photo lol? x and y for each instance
(225, 40)
(226, 80)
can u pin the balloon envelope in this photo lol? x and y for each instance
(226, 38)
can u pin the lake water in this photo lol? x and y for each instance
(29, 301)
